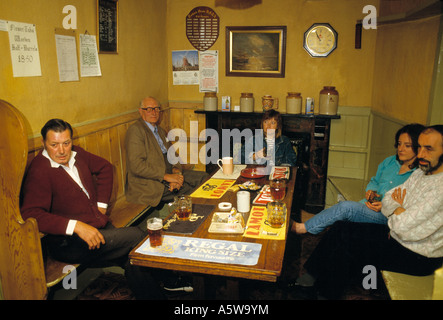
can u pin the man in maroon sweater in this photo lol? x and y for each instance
(67, 189)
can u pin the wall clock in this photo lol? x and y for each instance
(320, 40)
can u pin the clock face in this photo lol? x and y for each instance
(320, 40)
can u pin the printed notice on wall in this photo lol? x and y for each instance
(208, 61)
(24, 49)
(66, 57)
(89, 62)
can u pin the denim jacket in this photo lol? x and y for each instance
(284, 153)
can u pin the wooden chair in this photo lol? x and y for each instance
(22, 272)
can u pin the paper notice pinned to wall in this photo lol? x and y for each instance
(208, 62)
(66, 55)
(89, 62)
(24, 49)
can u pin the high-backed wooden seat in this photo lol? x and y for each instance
(22, 274)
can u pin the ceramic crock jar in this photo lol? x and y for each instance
(210, 101)
(328, 101)
(246, 102)
(294, 102)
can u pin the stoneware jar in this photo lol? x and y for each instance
(246, 102)
(294, 103)
(328, 103)
(210, 102)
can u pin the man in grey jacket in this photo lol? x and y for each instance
(411, 243)
(150, 178)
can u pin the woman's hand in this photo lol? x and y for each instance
(259, 154)
(376, 205)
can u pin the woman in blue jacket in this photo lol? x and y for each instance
(392, 172)
(268, 141)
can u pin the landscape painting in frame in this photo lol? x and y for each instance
(256, 51)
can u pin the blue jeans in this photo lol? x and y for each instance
(344, 211)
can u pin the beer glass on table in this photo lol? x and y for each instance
(276, 214)
(278, 189)
(182, 207)
(155, 232)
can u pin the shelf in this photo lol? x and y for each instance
(310, 116)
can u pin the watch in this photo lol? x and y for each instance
(320, 40)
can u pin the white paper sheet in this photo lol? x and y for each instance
(208, 62)
(89, 62)
(66, 57)
(24, 49)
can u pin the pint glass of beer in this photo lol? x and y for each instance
(155, 226)
(278, 189)
(182, 207)
(276, 214)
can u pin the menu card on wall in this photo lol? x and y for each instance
(208, 62)
(107, 25)
(24, 49)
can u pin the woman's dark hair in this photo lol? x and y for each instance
(56, 125)
(413, 130)
(272, 114)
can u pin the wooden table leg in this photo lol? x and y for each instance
(232, 289)
(199, 286)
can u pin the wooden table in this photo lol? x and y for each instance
(269, 264)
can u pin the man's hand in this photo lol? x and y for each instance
(399, 196)
(174, 178)
(102, 210)
(89, 234)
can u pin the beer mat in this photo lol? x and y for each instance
(234, 175)
(208, 250)
(280, 173)
(264, 196)
(258, 228)
(199, 214)
(213, 188)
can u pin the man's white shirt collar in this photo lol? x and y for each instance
(55, 164)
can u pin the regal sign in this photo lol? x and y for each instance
(231, 252)
(202, 27)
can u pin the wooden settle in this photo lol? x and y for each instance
(24, 274)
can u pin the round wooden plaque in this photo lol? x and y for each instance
(202, 27)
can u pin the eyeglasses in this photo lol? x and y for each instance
(149, 109)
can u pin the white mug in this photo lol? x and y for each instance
(243, 201)
(227, 165)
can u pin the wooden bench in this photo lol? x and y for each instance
(400, 286)
(23, 273)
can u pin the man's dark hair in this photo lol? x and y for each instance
(437, 127)
(56, 125)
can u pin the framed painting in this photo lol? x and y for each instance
(256, 51)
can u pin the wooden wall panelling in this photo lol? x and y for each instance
(349, 146)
